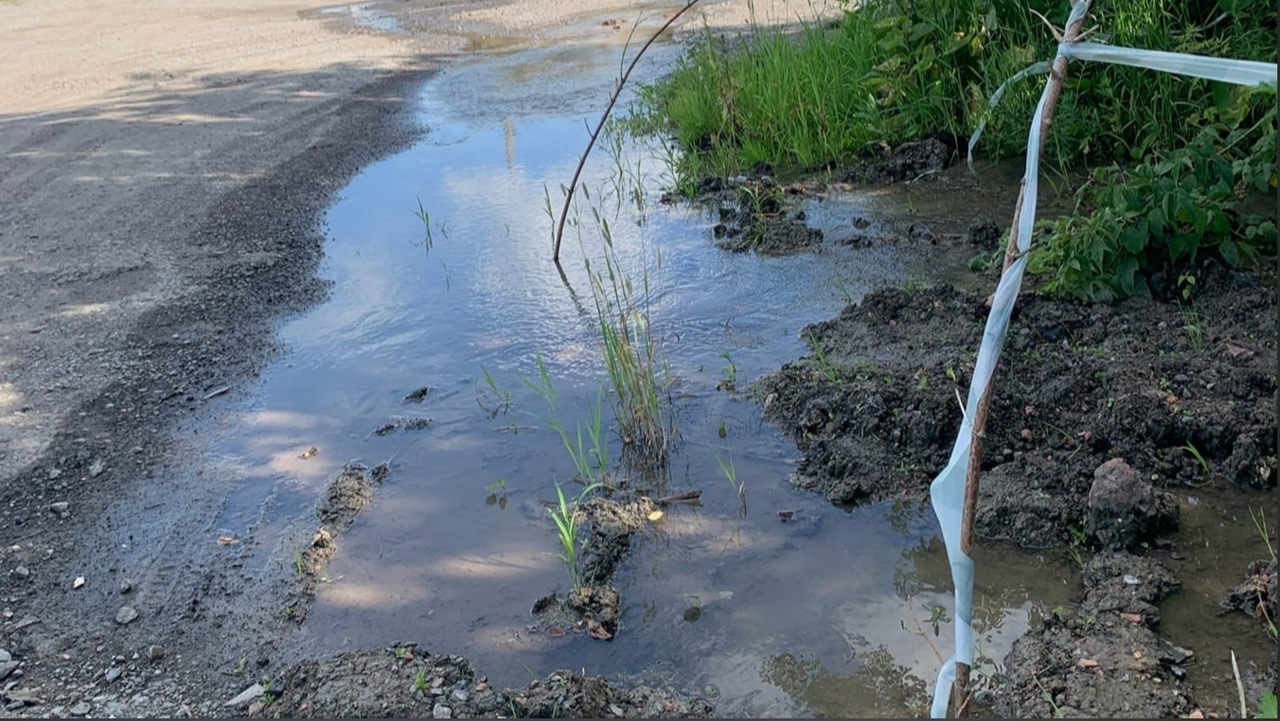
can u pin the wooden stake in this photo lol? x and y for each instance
(960, 696)
(617, 91)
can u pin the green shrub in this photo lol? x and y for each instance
(1163, 214)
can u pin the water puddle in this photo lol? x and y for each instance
(832, 613)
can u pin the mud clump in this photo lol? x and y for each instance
(611, 524)
(343, 500)
(760, 218)
(1106, 661)
(873, 406)
(908, 161)
(1256, 594)
(594, 610)
(595, 607)
(1124, 512)
(405, 682)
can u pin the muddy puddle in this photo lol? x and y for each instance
(443, 298)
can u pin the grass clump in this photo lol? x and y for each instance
(632, 357)
(565, 514)
(896, 70)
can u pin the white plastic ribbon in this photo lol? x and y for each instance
(948, 489)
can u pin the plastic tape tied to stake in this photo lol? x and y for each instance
(1238, 72)
(947, 490)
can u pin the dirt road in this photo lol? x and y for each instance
(163, 168)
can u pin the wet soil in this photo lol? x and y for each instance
(1100, 415)
(874, 406)
(405, 682)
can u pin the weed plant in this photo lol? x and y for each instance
(565, 514)
(632, 357)
(590, 454)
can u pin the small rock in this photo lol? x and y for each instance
(441, 711)
(256, 707)
(460, 695)
(126, 615)
(80, 709)
(20, 572)
(61, 508)
(7, 668)
(1124, 511)
(155, 653)
(96, 468)
(246, 697)
(78, 583)
(113, 674)
(5, 656)
(126, 586)
(54, 473)
(1131, 580)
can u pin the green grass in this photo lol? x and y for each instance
(590, 459)
(632, 357)
(895, 70)
(739, 487)
(565, 515)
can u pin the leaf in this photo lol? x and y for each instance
(655, 515)
(1267, 705)
(1133, 239)
(1229, 253)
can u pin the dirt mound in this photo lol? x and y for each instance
(758, 215)
(1104, 661)
(403, 682)
(874, 407)
(610, 526)
(908, 161)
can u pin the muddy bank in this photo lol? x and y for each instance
(405, 682)
(874, 406)
(1101, 416)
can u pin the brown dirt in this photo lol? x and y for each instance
(1078, 385)
(875, 410)
(404, 682)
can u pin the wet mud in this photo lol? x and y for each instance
(1101, 414)
(874, 405)
(596, 607)
(406, 682)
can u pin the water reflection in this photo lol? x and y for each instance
(820, 615)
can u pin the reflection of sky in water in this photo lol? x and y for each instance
(430, 561)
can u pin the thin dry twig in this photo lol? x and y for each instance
(613, 99)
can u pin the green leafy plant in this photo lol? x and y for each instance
(565, 515)
(1163, 214)
(1267, 705)
(497, 401)
(497, 493)
(730, 380)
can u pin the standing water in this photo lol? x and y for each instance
(440, 263)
